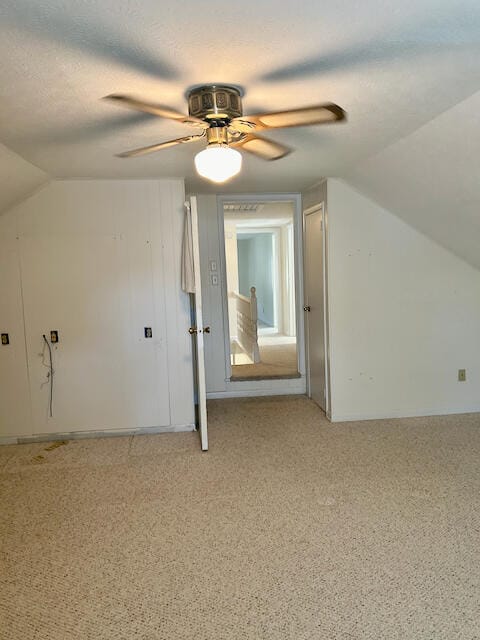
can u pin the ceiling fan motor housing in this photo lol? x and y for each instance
(212, 102)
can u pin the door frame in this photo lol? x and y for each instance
(298, 263)
(326, 314)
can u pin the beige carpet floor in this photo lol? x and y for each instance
(288, 528)
(277, 361)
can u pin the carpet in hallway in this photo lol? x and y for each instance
(277, 361)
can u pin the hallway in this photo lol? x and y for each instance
(278, 359)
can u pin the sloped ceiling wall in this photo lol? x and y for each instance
(431, 179)
(18, 178)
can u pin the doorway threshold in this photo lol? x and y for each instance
(278, 376)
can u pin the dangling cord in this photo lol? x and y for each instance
(51, 374)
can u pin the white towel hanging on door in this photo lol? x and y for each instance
(188, 273)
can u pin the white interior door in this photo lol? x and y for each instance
(315, 305)
(198, 331)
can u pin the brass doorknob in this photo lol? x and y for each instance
(193, 330)
(307, 307)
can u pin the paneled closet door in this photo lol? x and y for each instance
(15, 417)
(96, 292)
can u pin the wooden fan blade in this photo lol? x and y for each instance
(262, 147)
(319, 114)
(158, 147)
(156, 109)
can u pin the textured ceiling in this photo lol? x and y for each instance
(392, 65)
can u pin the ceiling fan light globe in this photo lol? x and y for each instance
(218, 163)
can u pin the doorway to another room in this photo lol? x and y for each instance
(261, 289)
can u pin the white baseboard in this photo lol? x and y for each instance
(255, 393)
(101, 433)
(408, 413)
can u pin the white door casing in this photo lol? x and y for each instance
(264, 387)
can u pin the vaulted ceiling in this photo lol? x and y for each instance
(431, 179)
(394, 66)
(18, 178)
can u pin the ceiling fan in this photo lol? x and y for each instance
(216, 110)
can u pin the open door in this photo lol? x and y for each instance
(315, 306)
(197, 330)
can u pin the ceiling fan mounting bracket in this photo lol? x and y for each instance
(217, 135)
(222, 134)
(215, 102)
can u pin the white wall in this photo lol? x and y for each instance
(286, 286)
(256, 269)
(99, 261)
(231, 267)
(15, 410)
(215, 353)
(404, 316)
